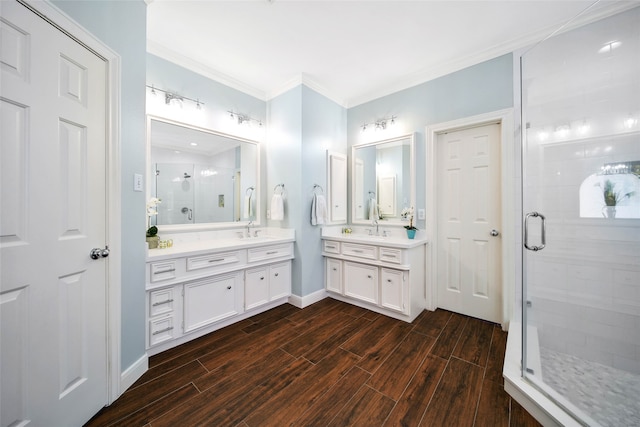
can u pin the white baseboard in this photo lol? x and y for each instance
(307, 300)
(133, 373)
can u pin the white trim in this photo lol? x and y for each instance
(307, 300)
(505, 118)
(134, 372)
(114, 195)
(161, 51)
(305, 80)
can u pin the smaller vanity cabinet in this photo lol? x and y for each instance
(266, 284)
(189, 295)
(388, 280)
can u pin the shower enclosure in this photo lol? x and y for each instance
(194, 193)
(581, 218)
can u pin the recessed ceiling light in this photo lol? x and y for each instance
(609, 46)
(193, 144)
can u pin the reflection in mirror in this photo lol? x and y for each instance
(201, 176)
(383, 180)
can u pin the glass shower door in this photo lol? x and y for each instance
(581, 218)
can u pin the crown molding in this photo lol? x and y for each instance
(304, 79)
(589, 15)
(197, 67)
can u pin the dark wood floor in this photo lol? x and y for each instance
(330, 364)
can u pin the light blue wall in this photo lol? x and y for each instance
(217, 98)
(324, 128)
(303, 125)
(482, 88)
(122, 26)
(284, 166)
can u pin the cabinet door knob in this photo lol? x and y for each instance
(369, 276)
(262, 278)
(389, 280)
(276, 274)
(228, 287)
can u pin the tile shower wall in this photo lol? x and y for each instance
(585, 285)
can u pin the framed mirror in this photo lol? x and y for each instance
(204, 178)
(383, 180)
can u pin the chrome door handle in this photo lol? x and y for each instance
(542, 234)
(97, 252)
(494, 232)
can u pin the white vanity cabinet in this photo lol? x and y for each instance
(193, 292)
(386, 276)
(266, 284)
(212, 299)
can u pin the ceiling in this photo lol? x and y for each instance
(350, 51)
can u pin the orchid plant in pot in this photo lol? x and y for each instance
(407, 213)
(612, 198)
(152, 230)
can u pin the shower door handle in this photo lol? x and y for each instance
(543, 231)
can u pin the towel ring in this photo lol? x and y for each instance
(317, 186)
(249, 191)
(281, 188)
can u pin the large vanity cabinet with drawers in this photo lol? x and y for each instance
(385, 275)
(194, 289)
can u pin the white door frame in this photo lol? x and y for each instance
(505, 119)
(59, 19)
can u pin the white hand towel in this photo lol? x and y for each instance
(373, 209)
(277, 207)
(248, 211)
(318, 210)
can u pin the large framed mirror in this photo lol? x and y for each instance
(204, 179)
(383, 180)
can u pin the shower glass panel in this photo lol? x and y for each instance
(581, 200)
(193, 193)
(175, 187)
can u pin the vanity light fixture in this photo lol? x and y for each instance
(380, 124)
(243, 118)
(171, 96)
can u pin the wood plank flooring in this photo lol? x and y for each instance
(330, 364)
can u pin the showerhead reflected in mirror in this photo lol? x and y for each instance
(200, 175)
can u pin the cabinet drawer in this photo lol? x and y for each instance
(331, 247)
(360, 251)
(269, 252)
(391, 255)
(164, 270)
(161, 301)
(161, 330)
(213, 260)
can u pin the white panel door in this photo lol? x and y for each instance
(53, 212)
(469, 253)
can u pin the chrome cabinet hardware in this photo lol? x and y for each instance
(164, 271)
(494, 232)
(155, 304)
(216, 260)
(163, 330)
(272, 252)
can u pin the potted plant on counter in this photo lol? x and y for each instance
(407, 213)
(612, 198)
(152, 230)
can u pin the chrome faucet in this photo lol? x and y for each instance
(375, 222)
(249, 228)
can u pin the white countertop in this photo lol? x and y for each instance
(189, 244)
(396, 239)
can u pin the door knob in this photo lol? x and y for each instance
(494, 232)
(97, 252)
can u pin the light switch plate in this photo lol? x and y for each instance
(420, 213)
(137, 182)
